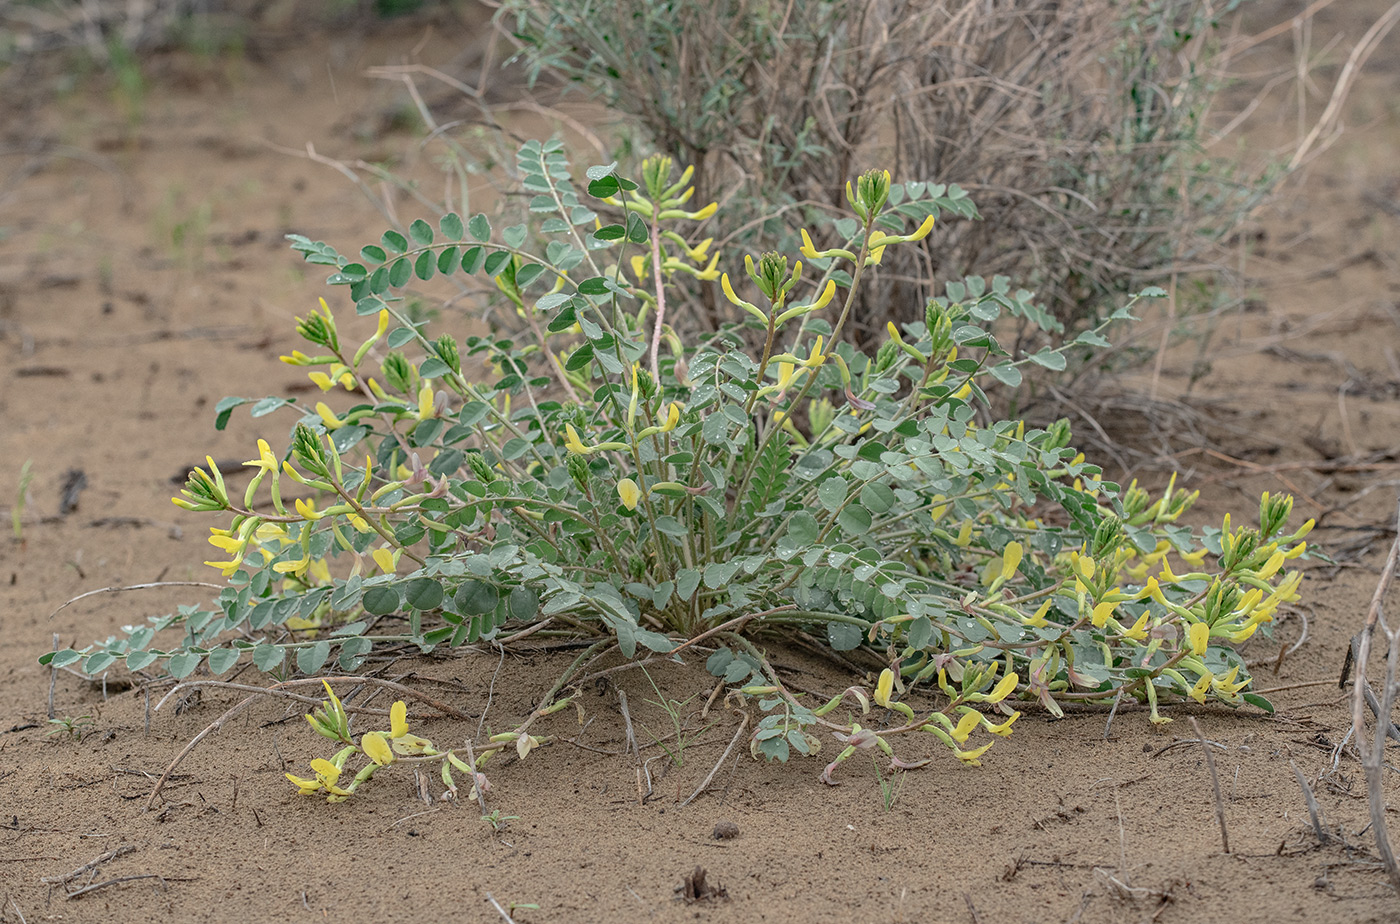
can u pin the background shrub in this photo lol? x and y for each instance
(1077, 127)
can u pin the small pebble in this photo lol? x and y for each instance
(726, 830)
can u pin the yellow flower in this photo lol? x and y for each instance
(331, 421)
(1226, 685)
(1004, 729)
(1004, 688)
(293, 567)
(1011, 560)
(1199, 638)
(573, 443)
(425, 400)
(970, 720)
(327, 776)
(377, 748)
(884, 688)
(629, 492)
(1138, 632)
(385, 559)
(1198, 692)
(1038, 619)
(265, 460)
(970, 757)
(1102, 612)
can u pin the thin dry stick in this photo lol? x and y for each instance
(1359, 54)
(497, 905)
(738, 733)
(1373, 752)
(18, 913)
(276, 687)
(53, 678)
(1215, 783)
(1314, 811)
(111, 882)
(115, 590)
(92, 864)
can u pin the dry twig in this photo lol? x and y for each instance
(1373, 750)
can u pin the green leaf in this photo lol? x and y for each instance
(138, 660)
(471, 259)
(514, 236)
(855, 519)
(451, 226)
(687, 581)
(603, 187)
(421, 232)
(1254, 699)
(311, 658)
(267, 406)
(803, 528)
(843, 636)
(877, 498)
(636, 229)
(423, 594)
(919, 633)
(221, 659)
(447, 261)
(523, 603)
(224, 409)
(425, 266)
(832, 492)
(718, 574)
(610, 233)
(266, 657)
(98, 662)
(496, 262)
(1006, 374)
(477, 598)
(372, 254)
(1049, 359)
(400, 272)
(381, 601)
(394, 242)
(480, 227)
(184, 663)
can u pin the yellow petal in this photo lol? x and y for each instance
(884, 687)
(376, 748)
(1102, 612)
(326, 772)
(425, 401)
(384, 558)
(629, 492)
(331, 421)
(1011, 559)
(398, 720)
(1199, 637)
(970, 720)
(1004, 688)
(970, 757)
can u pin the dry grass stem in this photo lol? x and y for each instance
(1215, 785)
(1372, 750)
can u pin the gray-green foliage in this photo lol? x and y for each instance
(605, 475)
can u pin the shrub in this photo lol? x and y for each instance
(1076, 126)
(604, 477)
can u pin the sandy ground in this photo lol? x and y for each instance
(144, 275)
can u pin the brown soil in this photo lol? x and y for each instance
(144, 275)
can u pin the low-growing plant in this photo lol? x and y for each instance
(602, 477)
(74, 726)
